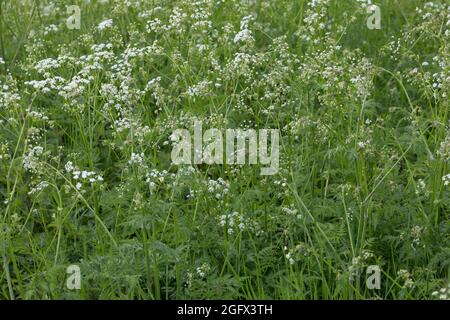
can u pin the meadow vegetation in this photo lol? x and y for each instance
(86, 177)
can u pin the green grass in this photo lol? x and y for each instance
(364, 150)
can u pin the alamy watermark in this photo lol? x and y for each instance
(373, 277)
(74, 20)
(73, 281)
(374, 20)
(235, 141)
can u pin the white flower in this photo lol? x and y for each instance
(421, 188)
(31, 160)
(443, 293)
(136, 158)
(200, 89)
(105, 24)
(50, 29)
(87, 177)
(39, 187)
(69, 166)
(243, 36)
(446, 179)
(202, 47)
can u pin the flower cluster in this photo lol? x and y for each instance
(446, 179)
(31, 160)
(443, 293)
(82, 178)
(237, 222)
(105, 24)
(219, 188)
(358, 263)
(405, 276)
(297, 253)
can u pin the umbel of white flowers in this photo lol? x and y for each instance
(235, 147)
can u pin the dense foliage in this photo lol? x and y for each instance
(86, 176)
